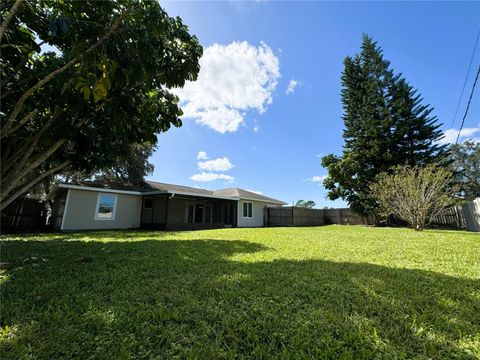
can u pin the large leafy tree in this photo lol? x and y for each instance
(386, 125)
(84, 80)
(130, 170)
(465, 160)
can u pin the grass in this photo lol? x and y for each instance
(329, 292)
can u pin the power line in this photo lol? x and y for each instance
(465, 81)
(468, 104)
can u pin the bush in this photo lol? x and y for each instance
(414, 194)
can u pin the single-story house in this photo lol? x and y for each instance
(156, 205)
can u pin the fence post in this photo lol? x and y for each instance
(293, 216)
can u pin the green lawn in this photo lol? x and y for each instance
(329, 292)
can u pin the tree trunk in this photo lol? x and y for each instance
(19, 191)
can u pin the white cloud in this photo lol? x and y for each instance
(220, 164)
(202, 155)
(256, 128)
(317, 179)
(209, 176)
(233, 79)
(292, 85)
(466, 134)
(210, 170)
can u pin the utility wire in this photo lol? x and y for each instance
(466, 78)
(468, 104)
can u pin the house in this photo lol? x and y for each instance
(157, 205)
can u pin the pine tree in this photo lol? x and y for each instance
(386, 125)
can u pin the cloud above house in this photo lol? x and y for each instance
(233, 80)
(451, 134)
(208, 176)
(292, 86)
(318, 179)
(220, 164)
(211, 170)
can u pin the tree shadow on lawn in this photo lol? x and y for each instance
(187, 299)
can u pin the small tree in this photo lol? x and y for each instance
(414, 194)
(309, 204)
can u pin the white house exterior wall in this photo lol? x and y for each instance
(257, 214)
(81, 206)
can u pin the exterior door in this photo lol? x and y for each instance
(199, 209)
(228, 214)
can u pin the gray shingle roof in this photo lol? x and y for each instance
(152, 186)
(229, 193)
(245, 194)
(176, 188)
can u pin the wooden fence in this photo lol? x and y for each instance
(296, 216)
(466, 216)
(452, 217)
(23, 214)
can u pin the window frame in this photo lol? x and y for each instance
(248, 205)
(143, 205)
(114, 208)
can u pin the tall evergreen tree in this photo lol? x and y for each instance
(386, 125)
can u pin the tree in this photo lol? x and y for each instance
(385, 124)
(309, 204)
(466, 166)
(130, 170)
(101, 85)
(414, 194)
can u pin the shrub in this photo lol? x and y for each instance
(414, 194)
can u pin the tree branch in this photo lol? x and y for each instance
(6, 130)
(27, 148)
(9, 17)
(13, 179)
(32, 183)
(25, 119)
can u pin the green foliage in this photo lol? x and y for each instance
(385, 125)
(333, 292)
(101, 85)
(414, 194)
(465, 162)
(130, 168)
(309, 204)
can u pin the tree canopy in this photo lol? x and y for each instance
(385, 125)
(465, 160)
(309, 204)
(83, 81)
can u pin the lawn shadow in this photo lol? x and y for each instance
(189, 299)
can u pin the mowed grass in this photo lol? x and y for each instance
(332, 292)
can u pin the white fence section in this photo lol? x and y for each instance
(471, 212)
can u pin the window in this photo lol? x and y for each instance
(106, 204)
(247, 210)
(147, 203)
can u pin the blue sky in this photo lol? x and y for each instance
(243, 128)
